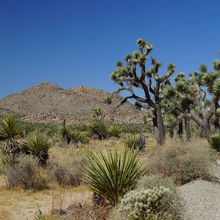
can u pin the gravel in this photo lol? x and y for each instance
(202, 199)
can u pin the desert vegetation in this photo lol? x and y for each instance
(131, 171)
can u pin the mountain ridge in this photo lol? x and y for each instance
(49, 103)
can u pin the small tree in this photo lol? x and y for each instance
(148, 80)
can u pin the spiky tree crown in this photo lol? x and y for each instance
(138, 57)
(209, 79)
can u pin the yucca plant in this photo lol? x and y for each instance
(111, 174)
(38, 146)
(135, 141)
(97, 127)
(114, 130)
(64, 132)
(9, 128)
(78, 136)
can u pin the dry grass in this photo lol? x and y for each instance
(184, 161)
(17, 204)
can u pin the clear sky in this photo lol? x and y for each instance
(73, 42)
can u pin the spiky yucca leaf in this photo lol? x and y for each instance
(111, 174)
(9, 128)
(38, 145)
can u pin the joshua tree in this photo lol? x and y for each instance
(129, 78)
(177, 102)
(204, 83)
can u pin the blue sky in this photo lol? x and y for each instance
(78, 42)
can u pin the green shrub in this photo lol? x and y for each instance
(185, 162)
(171, 203)
(38, 146)
(214, 142)
(135, 141)
(27, 174)
(114, 130)
(141, 204)
(112, 174)
(10, 128)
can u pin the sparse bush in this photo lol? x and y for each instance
(214, 142)
(67, 174)
(171, 203)
(185, 162)
(38, 146)
(141, 204)
(27, 174)
(114, 130)
(135, 141)
(112, 174)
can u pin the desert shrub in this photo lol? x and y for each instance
(114, 130)
(77, 136)
(141, 204)
(97, 127)
(9, 128)
(111, 174)
(4, 157)
(135, 141)
(171, 203)
(214, 142)
(133, 128)
(107, 100)
(73, 135)
(66, 174)
(38, 146)
(26, 173)
(116, 215)
(185, 162)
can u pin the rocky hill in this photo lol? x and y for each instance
(50, 103)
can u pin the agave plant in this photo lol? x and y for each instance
(112, 174)
(9, 128)
(38, 146)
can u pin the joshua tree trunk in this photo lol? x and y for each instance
(187, 128)
(217, 125)
(206, 131)
(159, 125)
(180, 129)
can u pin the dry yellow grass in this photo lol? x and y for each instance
(16, 204)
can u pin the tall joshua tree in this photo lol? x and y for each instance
(134, 74)
(204, 83)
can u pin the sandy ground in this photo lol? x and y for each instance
(19, 205)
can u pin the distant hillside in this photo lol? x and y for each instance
(50, 103)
